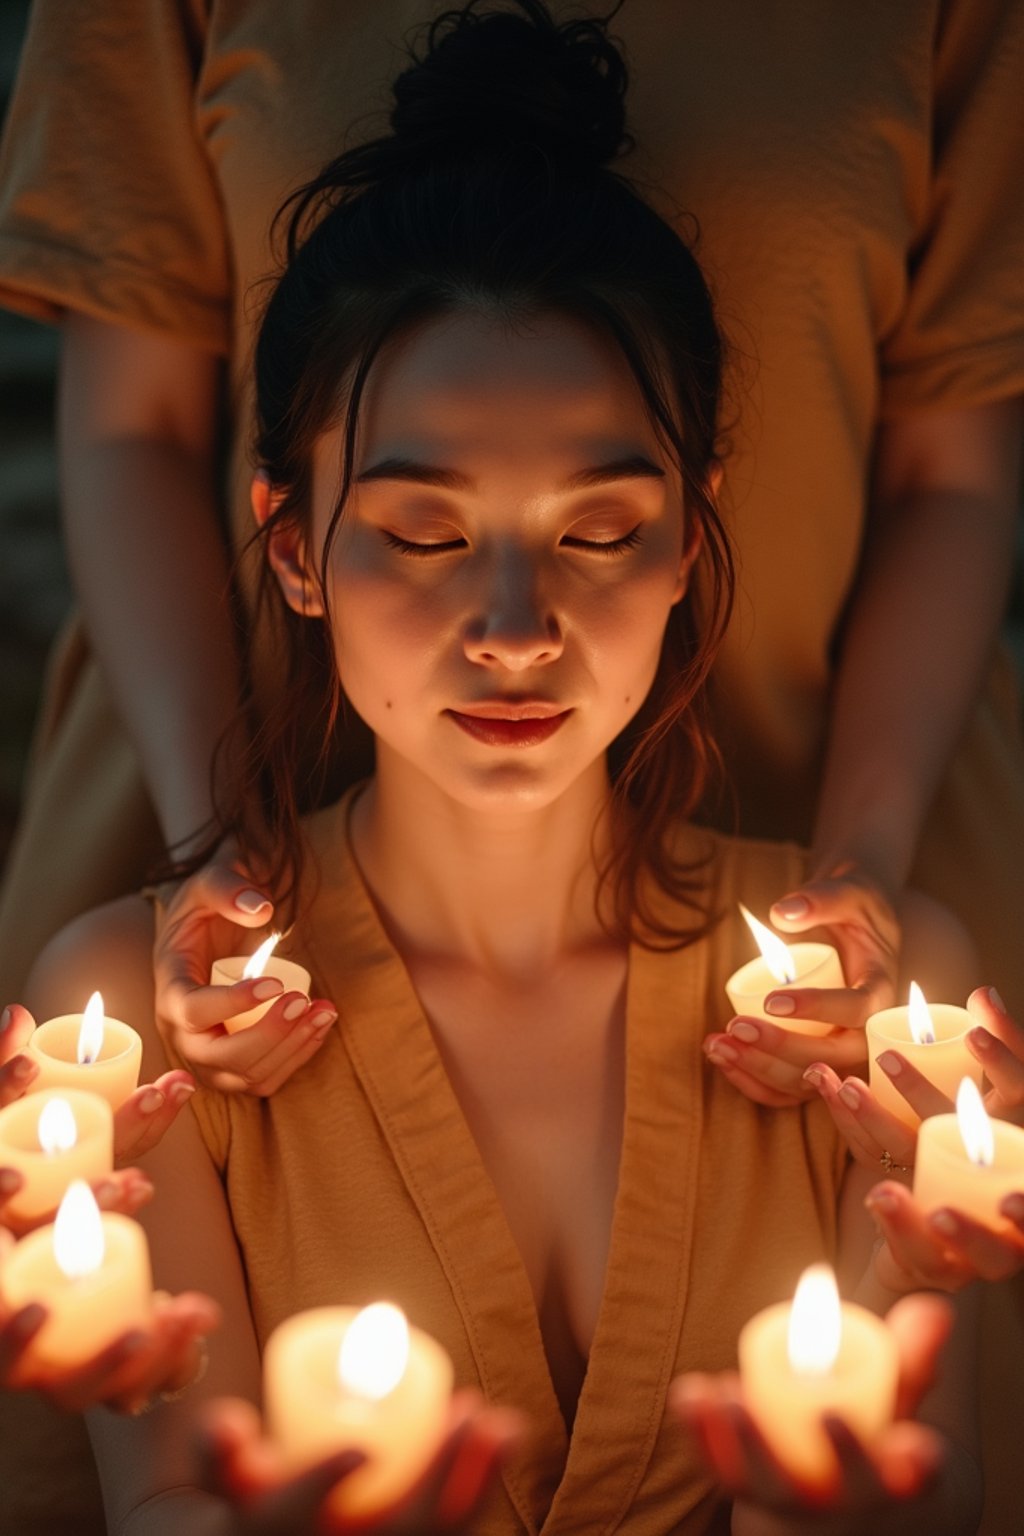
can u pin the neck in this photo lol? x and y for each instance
(510, 892)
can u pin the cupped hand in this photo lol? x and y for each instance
(141, 1120)
(127, 1190)
(243, 1468)
(900, 1464)
(127, 1373)
(998, 1043)
(860, 920)
(200, 925)
(769, 1063)
(945, 1250)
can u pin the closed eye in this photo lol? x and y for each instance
(607, 546)
(407, 547)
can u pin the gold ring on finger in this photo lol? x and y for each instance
(890, 1166)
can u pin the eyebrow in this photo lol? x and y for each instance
(634, 466)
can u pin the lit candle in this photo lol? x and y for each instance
(50, 1139)
(803, 965)
(336, 1378)
(969, 1162)
(932, 1037)
(247, 967)
(92, 1274)
(817, 1356)
(87, 1050)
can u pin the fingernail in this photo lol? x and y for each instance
(322, 1020)
(105, 1192)
(722, 1054)
(5, 1019)
(814, 1077)
(28, 1319)
(849, 1096)
(890, 1063)
(780, 1005)
(296, 1009)
(996, 1000)
(182, 1092)
(792, 906)
(10, 1183)
(880, 1200)
(945, 1222)
(133, 1343)
(268, 987)
(250, 902)
(24, 1068)
(1013, 1206)
(151, 1101)
(980, 1038)
(741, 1030)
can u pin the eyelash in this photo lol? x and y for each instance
(608, 547)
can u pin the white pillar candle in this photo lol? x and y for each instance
(91, 1272)
(804, 964)
(51, 1139)
(969, 1162)
(817, 1356)
(89, 1051)
(933, 1038)
(263, 962)
(336, 1378)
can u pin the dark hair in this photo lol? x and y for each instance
(493, 188)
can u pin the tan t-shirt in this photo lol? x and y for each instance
(360, 1179)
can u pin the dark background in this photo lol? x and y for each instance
(34, 588)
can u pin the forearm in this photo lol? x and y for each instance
(151, 572)
(917, 644)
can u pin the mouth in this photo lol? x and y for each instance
(510, 723)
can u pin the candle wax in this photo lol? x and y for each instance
(815, 965)
(114, 1075)
(229, 970)
(944, 1175)
(943, 1063)
(48, 1174)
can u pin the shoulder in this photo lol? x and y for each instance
(110, 950)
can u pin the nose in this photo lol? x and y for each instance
(513, 626)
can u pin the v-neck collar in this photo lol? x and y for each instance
(591, 1477)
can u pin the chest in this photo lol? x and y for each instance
(539, 1072)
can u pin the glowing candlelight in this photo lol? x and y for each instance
(92, 1274)
(89, 1051)
(817, 1356)
(336, 1378)
(263, 962)
(803, 964)
(969, 1162)
(50, 1139)
(932, 1037)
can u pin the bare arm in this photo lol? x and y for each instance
(922, 624)
(137, 421)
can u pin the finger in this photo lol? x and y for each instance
(839, 899)
(698, 1401)
(243, 1051)
(908, 1459)
(1004, 1069)
(868, 1129)
(920, 1325)
(143, 1119)
(915, 1252)
(126, 1190)
(846, 1008)
(16, 1075)
(16, 1025)
(16, 1335)
(765, 1475)
(986, 1254)
(725, 1057)
(494, 1434)
(922, 1096)
(228, 1431)
(843, 1049)
(859, 1477)
(203, 1007)
(303, 1040)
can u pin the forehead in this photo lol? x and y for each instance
(471, 384)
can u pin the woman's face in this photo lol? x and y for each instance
(506, 562)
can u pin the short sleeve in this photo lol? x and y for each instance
(960, 340)
(108, 201)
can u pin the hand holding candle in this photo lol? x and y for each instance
(802, 964)
(50, 1139)
(225, 972)
(932, 1038)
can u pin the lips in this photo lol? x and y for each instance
(510, 723)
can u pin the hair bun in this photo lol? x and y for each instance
(507, 78)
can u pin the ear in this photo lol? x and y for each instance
(695, 533)
(286, 551)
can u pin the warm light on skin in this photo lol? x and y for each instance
(257, 962)
(975, 1126)
(57, 1129)
(90, 1036)
(78, 1242)
(920, 1020)
(374, 1352)
(815, 1323)
(774, 952)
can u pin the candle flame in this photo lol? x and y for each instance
(975, 1125)
(374, 1351)
(921, 1027)
(257, 962)
(90, 1036)
(78, 1245)
(57, 1129)
(815, 1323)
(775, 954)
